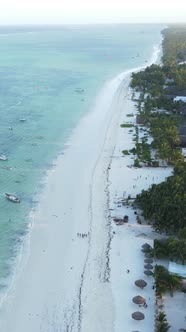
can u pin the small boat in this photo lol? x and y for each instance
(3, 157)
(79, 90)
(22, 120)
(12, 198)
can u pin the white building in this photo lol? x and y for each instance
(180, 98)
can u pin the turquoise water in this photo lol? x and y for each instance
(40, 70)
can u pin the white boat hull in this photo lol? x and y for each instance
(12, 198)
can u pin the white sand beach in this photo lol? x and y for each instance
(73, 283)
(128, 239)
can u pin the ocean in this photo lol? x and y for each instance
(49, 79)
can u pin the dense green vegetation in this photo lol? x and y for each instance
(178, 75)
(165, 204)
(161, 323)
(174, 249)
(126, 152)
(166, 281)
(174, 45)
(182, 233)
(163, 126)
(143, 151)
(151, 80)
(166, 138)
(126, 125)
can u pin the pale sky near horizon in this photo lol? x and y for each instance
(94, 11)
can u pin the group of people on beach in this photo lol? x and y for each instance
(82, 234)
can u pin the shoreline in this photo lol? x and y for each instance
(46, 229)
(43, 231)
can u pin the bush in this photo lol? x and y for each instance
(137, 163)
(155, 163)
(126, 152)
(133, 150)
(126, 125)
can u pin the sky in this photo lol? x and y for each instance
(91, 11)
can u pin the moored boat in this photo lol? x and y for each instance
(3, 157)
(79, 90)
(12, 198)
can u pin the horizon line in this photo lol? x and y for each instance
(98, 23)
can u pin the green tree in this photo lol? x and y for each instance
(166, 281)
(161, 323)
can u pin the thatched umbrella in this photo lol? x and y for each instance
(146, 250)
(148, 273)
(138, 315)
(149, 255)
(141, 283)
(148, 260)
(146, 246)
(139, 299)
(148, 267)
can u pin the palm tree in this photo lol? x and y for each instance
(165, 281)
(177, 250)
(161, 323)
